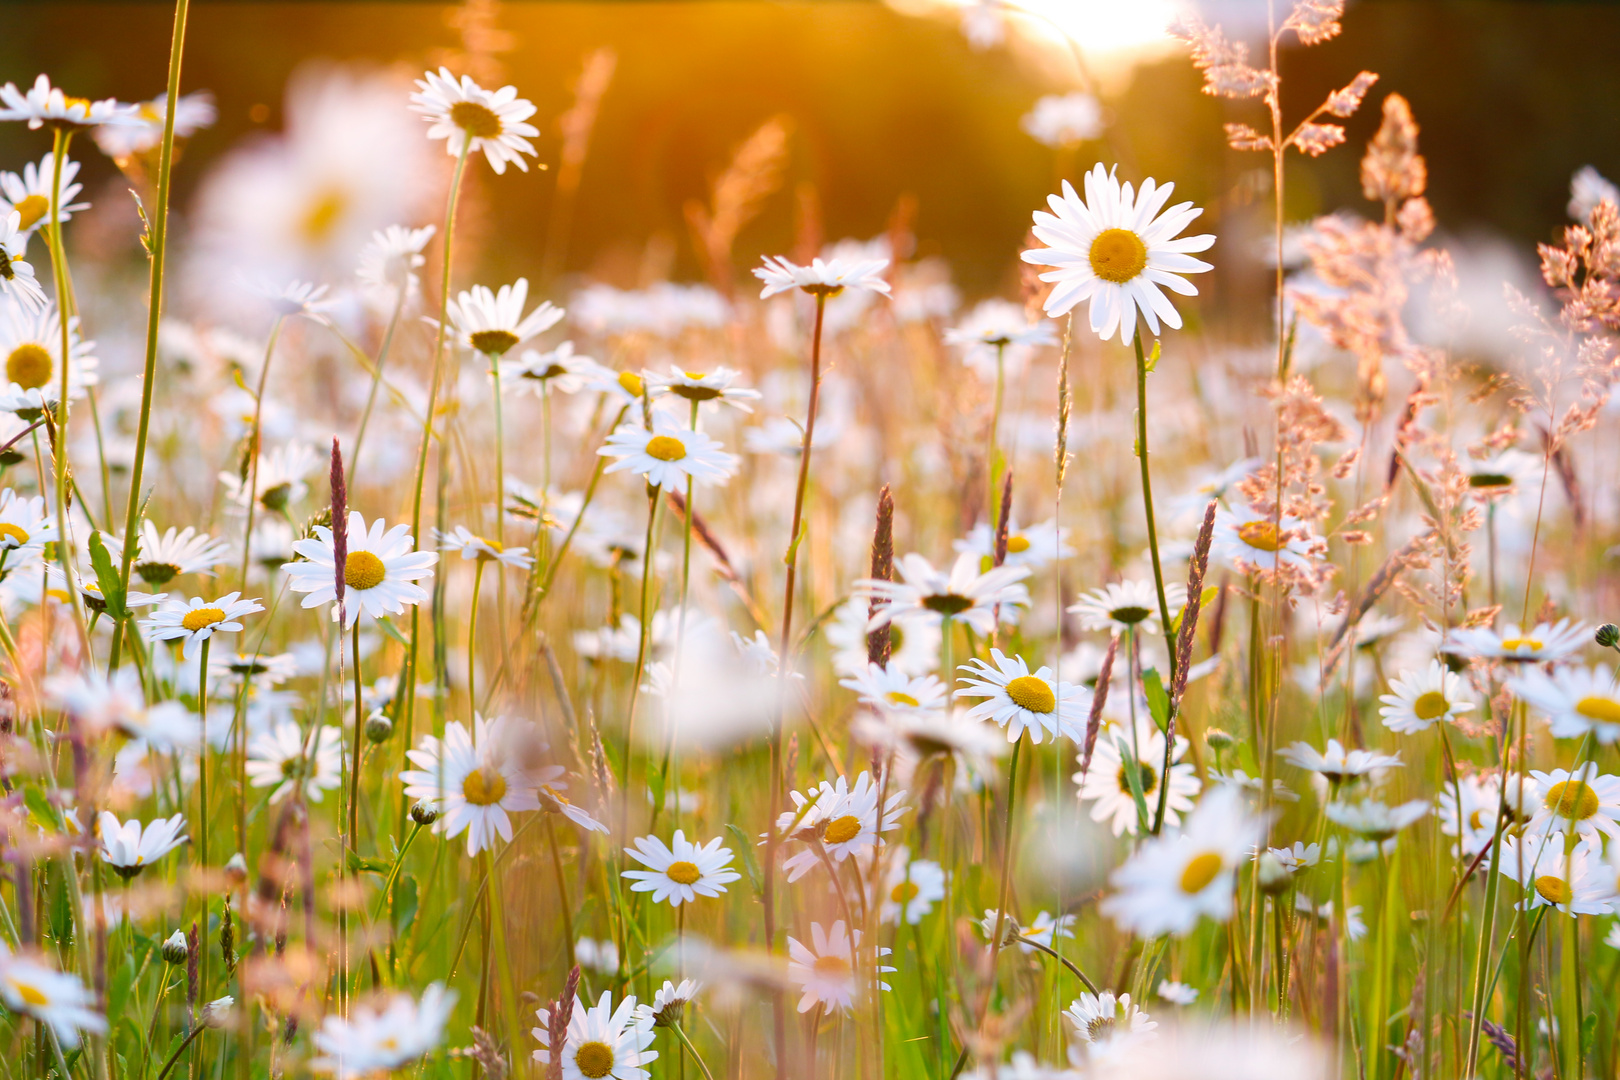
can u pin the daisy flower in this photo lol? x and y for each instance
(1572, 881)
(1423, 698)
(1575, 700)
(1582, 802)
(917, 736)
(474, 781)
(44, 104)
(825, 971)
(470, 118)
(1542, 644)
(929, 596)
(998, 329)
(279, 757)
(599, 956)
(1103, 1018)
(913, 646)
(894, 691)
(1177, 993)
(280, 477)
(1127, 605)
(668, 454)
(162, 557)
(129, 849)
(1336, 764)
(475, 548)
(380, 1040)
(380, 570)
(549, 790)
(25, 523)
(1044, 929)
(1064, 120)
(844, 820)
(1107, 783)
(682, 871)
(823, 277)
(289, 298)
(31, 343)
(56, 998)
(1033, 546)
(668, 1003)
(1116, 250)
(1172, 881)
(699, 387)
(29, 193)
(1375, 821)
(624, 387)
(1016, 699)
(1481, 801)
(541, 372)
(17, 281)
(197, 620)
(1246, 541)
(493, 323)
(192, 113)
(911, 888)
(388, 264)
(601, 1042)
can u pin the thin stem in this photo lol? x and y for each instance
(472, 636)
(253, 444)
(690, 1049)
(562, 890)
(377, 375)
(203, 815)
(991, 472)
(1006, 876)
(500, 458)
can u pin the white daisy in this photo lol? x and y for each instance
(699, 387)
(1126, 605)
(192, 113)
(283, 755)
(1102, 1018)
(32, 346)
(549, 787)
(558, 369)
(1423, 698)
(1064, 120)
(1336, 764)
(388, 264)
(380, 569)
(26, 524)
(601, 1042)
(373, 1040)
(1247, 541)
(474, 781)
(668, 454)
(294, 297)
(911, 888)
(1583, 802)
(17, 281)
(913, 646)
(197, 620)
(998, 328)
(43, 103)
(841, 819)
(624, 387)
(916, 736)
(599, 956)
(475, 548)
(29, 193)
(1375, 821)
(161, 557)
(281, 478)
(1575, 700)
(1016, 699)
(1574, 881)
(668, 1003)
(825, 971)
(493, 323)
(1481, 801)
(1544, 643)
(1106, 784)
(1033, 546)
(682, 871)
(30, 988)
(1116, 250)
(926, 595)
(1177, 993)
(1043, 929)
(823, 277)
(129, 849)
(894, 691)
(462, 111)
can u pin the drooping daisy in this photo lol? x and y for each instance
(1106, 784)
(493, 323)
(825, 971)
(44, 104)
(549, 790)
(1246, 541)
(283, 756)
(1174, 880)
(926, 595)
(1583, 802)
(1571, 880)
(29, 193)
(1127, 605)
(843, 820)
(388, 264)
(1542, 644)
(700, 387)
(1033, 546)
(998, 328)
(192, 113)
(1423, 698)
(373, 1040)
(57, 998)
(1115, 249)
(25, 524)
(1043, 929)
(162, 557)
(475, 548)
(911, 888)
(1100, 1019)
(668, 1003)
(380, 570)
(557, 370)
(1336, 764)
(823, 277)
(894, 691)
(601, 1042)
(129, 849)
(668, 454)
(197, 620)
(462, 112)
(17, 281)
(1064, 120)
(31, 343)
(1575, 700)
(682, 871)
(474, 780)
(1017, 699)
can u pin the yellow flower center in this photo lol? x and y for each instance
(323, 215)
(363, 570)
(481, 122)
(1147, 774)
(593, 1059)
(1118, 255)
(1028, 692)
(1572, 799)
(1260, 534)
(1554, 890)
(1521, 644)
(841, 829)
(12, 535)
(1476, 820)
(1017, 543)
(495, 548)
(665, 448)
(1099, 1028)
(492, 342)
(31, 210)
(832, 967)
(904, 893)
(1430, 705)
(631, 382)
(202, 618)
(484, 787)
(1604, 709)
(1200, 870)
(29, 366)
(31, 994)
(682, 872)
(900, 697)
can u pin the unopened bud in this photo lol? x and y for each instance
(236, 871)
(424, 813)
(1271, 873)
(1607, 635)
(218, 1012)
(379, 728)
(174, 949)
(1218, 739)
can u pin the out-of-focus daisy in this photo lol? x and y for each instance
(26, 524)
(462, 113)
(17, 281)
(1246, 541)
(128, 848)
(1064, 120)
(699, 387)
(895, 691)
(373, 1040)
(601, 1042)
(1127, 605)
(599, 956)
(289, 298)
(1033, 546)
(668, 454)
(475, 548)
(1423, 698)
(56, 998)
(388, 264)
(43, 104)
(197, 620)
(927, 595)
(917, 736)
(493, 323)
(624, 387)
(825, 970)
(911, 888)
(1336, 764)
(1475, 825)
(1373, 820)
(1017, 699)
(998, 328)
(1541, 644)
(192, 113)
(1177, 993)
(1587, 188)
(681, 871)
(1043, 929)
(29, 193)
(281, 477)
(31, 343)
(1172, 881)
(1581, 802)
(557, 370)
(844, 820)
(1575, 700)
(162, 557)
(913, 646)
(1100, 1019)
(475, 781)
(549, 787)
(1116, 250)
(90, 591)
(1107, 783)
(380, 570)
(823, 277)
(283, 756)
(668, 1003)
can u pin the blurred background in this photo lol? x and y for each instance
(889, 112)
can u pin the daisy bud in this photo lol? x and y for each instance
(175, 950)
(236, 871)
(218, 1012)
(423, 813)
(379, 729)
(1218, 740)
(1607, 635)
(1272, 874)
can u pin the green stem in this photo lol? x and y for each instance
(500, 459)
(690, 1049)
(203, 817)
(253, 447)
(377, 376)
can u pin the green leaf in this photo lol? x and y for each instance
(746, 847)
(1152, 357)
(1158, 700)
(375, 866)
(1133, 777)
(41, 808)
(387, 626)
(112, 588)
(123, 977)
(406, 902)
